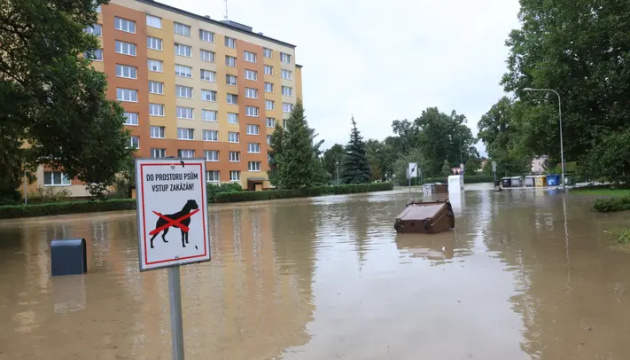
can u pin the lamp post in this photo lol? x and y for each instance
(560, 118)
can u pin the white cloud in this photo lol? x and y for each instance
(384, 60)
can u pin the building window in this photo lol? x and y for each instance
(154, 43)
(287, 108)
(271, 122)
(156, 65)
(268, 139)
(230, 80)
(251, 111)
(156, 109)
(233, 137)
(154, 21)
(213, 176)
(270, 104)
(230, 42)
(253, 166)
(287, 75)
(184, 113)
(183, 71)
(251, 75)
(181, 29)
(249, 57)
(125, 48)
(211, 155)
(268, 87)
(232, 118)
(207, 55)
(134, 142)
(235, 175)
(186, 153)
(253, 129)
(185, 134)
(126, 71)
(206, 36)
(156, 87)
(267, 53)
(253, 148)
(287, 91)
(232, 99)
(127, 95)
(183, 50)
(230, 61)
(284, 123)
(235, 156)
(55, 179)
(131, 118)
(157, 132)
(208, 75)
(158, 153)
(183, 91)
(285, 58)
(124, 25)
(268, 70)
(210, 135)
(95, 55)
(208, 95)
(208, 115)
(251, 93)
(96, 30)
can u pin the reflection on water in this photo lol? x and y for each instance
(525, 274)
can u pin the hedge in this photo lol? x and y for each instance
(468, 179)
(611, 205)
(288, 194)
(20, 211)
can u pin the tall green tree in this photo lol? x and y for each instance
(275, 155)
(499, 132)
(356, 169)
(51, 99)
(377, 159)
(333, 160)
(295, 161)
(580, 49)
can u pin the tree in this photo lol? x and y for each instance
(581, 49)
(49, 94)
(401, 165)
(275, 155)
(356, 169)
(498, 131)
(377, 159)
(333, 160)
(295, 160)
(446, 168)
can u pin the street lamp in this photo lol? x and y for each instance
(560, 117)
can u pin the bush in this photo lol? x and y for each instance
(20, 211)
(48, 195)
(213, 190)
(621, 235)
(611, 205)
(288, 194)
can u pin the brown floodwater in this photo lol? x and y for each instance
(526, 274)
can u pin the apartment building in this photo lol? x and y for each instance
(192, 86)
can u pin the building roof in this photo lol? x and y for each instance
(232, 25)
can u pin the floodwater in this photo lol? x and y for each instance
(526, 274)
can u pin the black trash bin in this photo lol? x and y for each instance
(506, 182)
(68, 257)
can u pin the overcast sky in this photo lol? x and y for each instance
(384, 60)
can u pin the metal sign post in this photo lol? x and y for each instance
(172, 196)
(494, 170)
(412, 172)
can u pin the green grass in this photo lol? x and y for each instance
(601, 192)
(622, 236)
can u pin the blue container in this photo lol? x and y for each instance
(68, 257)
(553, 180)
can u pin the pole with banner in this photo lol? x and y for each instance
(172, 210)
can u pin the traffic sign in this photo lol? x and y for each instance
(412, 172)
(494, 166)
(172, 212)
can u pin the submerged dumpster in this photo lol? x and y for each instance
(541, 181)
(553, 180)
(529, 181)
(517, 181)
(426, 217)
(506, 182)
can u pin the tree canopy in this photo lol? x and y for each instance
(356, 169)
(53, 108)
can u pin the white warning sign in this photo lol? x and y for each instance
(172, 212)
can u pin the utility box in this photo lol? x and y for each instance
(428, 189)
(68, 257)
